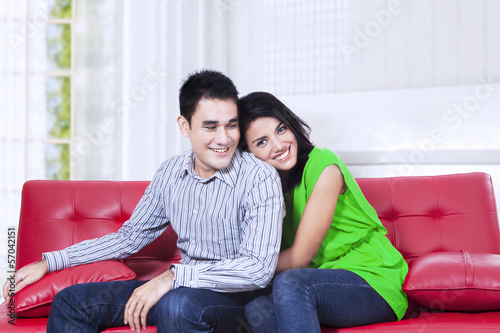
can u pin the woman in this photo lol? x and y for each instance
(329, 225)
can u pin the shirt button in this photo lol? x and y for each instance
(192, 241)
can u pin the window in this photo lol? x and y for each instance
(38, 44)
(57, 79)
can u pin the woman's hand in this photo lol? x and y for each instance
(316, 220)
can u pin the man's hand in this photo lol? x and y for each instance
(144, 298)
(26, 276)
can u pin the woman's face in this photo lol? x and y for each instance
(273, 142)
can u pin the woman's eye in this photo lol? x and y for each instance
(261, 143)
(282, 129)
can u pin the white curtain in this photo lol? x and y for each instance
(164, 41)
(98, 88)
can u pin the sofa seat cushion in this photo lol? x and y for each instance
(35, 300)
(455, 281)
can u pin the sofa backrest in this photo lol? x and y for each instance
(421, 214)
(425, 214)
(57, 214)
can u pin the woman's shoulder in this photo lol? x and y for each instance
(319, 159)
(323, 156)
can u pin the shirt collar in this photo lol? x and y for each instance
(228, 175)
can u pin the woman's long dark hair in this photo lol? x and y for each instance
(262, 104)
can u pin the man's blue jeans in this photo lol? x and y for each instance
(91, 307)
(303, 298)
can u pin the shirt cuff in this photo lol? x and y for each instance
(57, 260)
(184, 276)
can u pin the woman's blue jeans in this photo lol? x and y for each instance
(304, 298)
(91, 307)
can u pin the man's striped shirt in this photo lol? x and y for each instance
(228, 226)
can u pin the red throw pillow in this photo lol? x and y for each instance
(35, 300)
(455, 281)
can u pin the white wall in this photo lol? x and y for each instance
(402, 88)
(409, 132)
(376, 44)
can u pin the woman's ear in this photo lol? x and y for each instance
(183, 126)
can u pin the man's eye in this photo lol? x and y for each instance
(210, 128)
(233, 126)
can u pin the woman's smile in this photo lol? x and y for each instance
(283, 156)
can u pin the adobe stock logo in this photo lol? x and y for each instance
(33, 24)
(372, 29)
(223, 6)
(452, 119)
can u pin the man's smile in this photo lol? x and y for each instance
(220, 150)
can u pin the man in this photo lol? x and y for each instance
(226, 208)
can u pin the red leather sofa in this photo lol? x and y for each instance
(445, 226)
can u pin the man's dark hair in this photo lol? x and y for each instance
(263, 104)
(204, 84)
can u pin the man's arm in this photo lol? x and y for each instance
(254, 264)
(147, 222)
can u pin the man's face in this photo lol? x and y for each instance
(214, 134)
